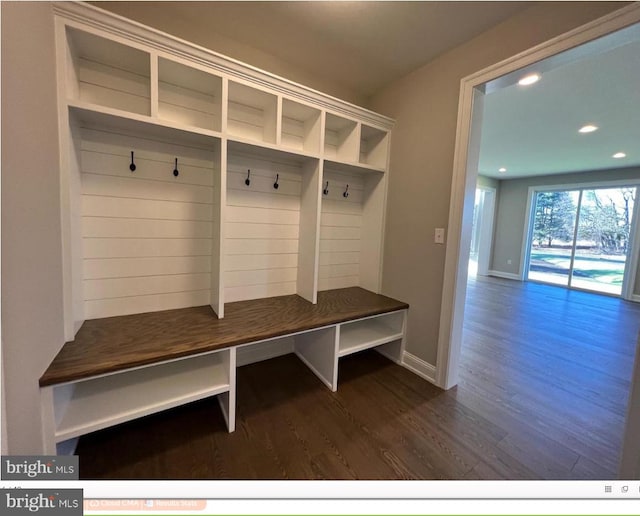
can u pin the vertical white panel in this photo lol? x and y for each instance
(217, 252)
(372, 231)
(309, 240)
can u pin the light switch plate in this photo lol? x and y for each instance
(438, 236)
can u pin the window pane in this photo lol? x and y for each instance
(604, 227)
(552, 236)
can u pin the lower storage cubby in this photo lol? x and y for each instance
(89, 405)
(371, 332)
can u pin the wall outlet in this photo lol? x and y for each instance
(438, 236)
(509, 261)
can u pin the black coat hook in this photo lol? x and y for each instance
(276, 185)
(248, 180)
(346, 192)
(176, 172)
(132, 167)
(326, 189)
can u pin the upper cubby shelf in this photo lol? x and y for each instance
(107, 73)
(189, 96)
(373, 146)
(300, 127)
(340, 138)
(252, 113)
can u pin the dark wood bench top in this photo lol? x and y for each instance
(117, 343)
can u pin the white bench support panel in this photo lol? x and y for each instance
(319, 351)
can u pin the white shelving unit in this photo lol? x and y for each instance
(86, 406)
(147, 239)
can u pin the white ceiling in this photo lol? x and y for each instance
(362, 45)
(533, 130)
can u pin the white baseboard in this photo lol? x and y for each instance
(635, 298)
(505, 275)
(419, 367)
(250, 353)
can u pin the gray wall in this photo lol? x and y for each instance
(512, 206)
(488, 182)
(425, 106)
(32, 326)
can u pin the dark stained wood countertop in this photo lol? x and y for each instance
(117, 343)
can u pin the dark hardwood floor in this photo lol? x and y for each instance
(543, 388)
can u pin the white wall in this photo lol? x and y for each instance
(32, 314)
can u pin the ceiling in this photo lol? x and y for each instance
(362, 45)
(533, 130)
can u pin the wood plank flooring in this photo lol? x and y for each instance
(544, 381)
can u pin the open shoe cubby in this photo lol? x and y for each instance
(252, 113)
(100, 402)
(340, 138)
(189, 96)
(149, 240)
(107, 73)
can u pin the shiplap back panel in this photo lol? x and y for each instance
(147, 234)
(340, 231)
(113, 87)
(261, 229)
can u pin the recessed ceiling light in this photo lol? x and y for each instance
(588, 128)
(619, 155)
(502, 170)
(529, 79)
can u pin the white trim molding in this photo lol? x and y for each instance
(505, 275)
(420, 367)
(635, 298)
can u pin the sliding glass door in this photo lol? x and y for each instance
(580, 238)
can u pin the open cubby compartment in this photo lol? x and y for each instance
(340, 138)
(103, 72)
(300, 127)
(374, 144)
(270, 233)
(189, 96)
(88, 405)
(252, 114)
(142, 240)
(371, 332)
(351, 228)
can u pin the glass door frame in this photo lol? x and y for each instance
(632, 258)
